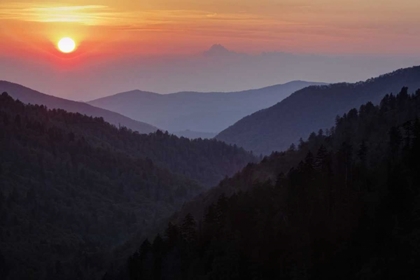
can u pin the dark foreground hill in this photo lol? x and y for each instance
(27, 95)
(339, 206)
(196, 111)
(65, 198)
(312, 108)
(206, 161)
(73, 187)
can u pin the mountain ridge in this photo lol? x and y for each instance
(219, 50)
(314, 107)
(196, 111)
(71, 184)
(28, 95)
(342, 205)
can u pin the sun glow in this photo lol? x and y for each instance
(66, 45)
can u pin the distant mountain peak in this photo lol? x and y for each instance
(218, 47)
(217, 50)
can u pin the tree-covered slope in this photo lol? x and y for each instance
(206, 161)
(65, 198)
(348, 209)
(73, 187)
(309, 109)
(27, 95)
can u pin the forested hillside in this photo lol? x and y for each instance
(310, 109)
(342, 205)
(73, 187)
(206, 161)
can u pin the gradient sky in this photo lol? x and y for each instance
(108, 30)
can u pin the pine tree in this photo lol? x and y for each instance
(189, 229)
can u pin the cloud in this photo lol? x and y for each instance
(85, 14)
(98, 15)
(284, 24)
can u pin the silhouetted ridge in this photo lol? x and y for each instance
(69, 194)
(314, 107)
(73, 187)
(341, 205)
(27, 95)
(208, 112)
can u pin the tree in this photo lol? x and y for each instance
(188, 229)
(395, 139)
(362, 153)
(323, 160)
(172, 234)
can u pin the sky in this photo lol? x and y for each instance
(125, 36)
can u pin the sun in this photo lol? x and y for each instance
(66, 45)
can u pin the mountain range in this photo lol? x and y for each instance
(209, 112)
(73, 187)
(338, 206)
(311, 109)
(220, 68)
(27, 95)
(78, 195)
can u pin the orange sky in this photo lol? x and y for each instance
(158, 45)
(125, 27)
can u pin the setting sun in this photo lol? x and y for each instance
(66, 45)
